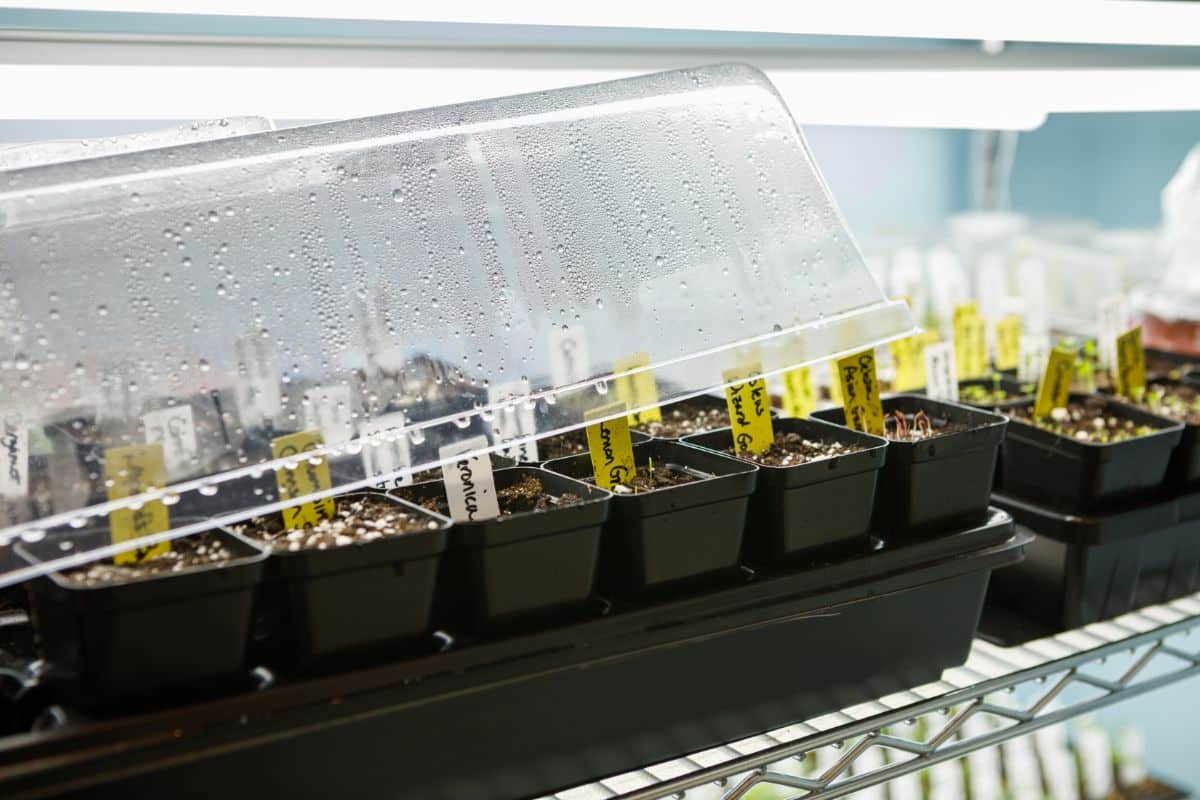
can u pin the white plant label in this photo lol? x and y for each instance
(991, 289)
(514, 420)
(867, 762)
(14, 455)
(1035, 349)
(1031, 284)
(985, 774)
(569, 359)
(257, 384)
(387, 451)
(906, 787)
(1112, 316)
(1059, 767)
(1095, 758)
(1021, 766)
(946, 781)
(470, 486)
(328, 409)
(1131, 745)
(175, 429)
(941, 375)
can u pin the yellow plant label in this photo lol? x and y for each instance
(302, 478)
(1131, 363)
(1054, 390)
(970, 344)
(962, 310)
(610, 447)
(131, 471)
(637, 389)
(860, 392)
(908, 357)
(799, 396)
(749, 408)
(1008, 342)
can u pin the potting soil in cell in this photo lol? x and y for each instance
(1175, 402)
(527, 494)
(202, 550)
(362, 519)
(901, 427)
(1085, 422)
(792, 449)
(684, 419)
(663, 476)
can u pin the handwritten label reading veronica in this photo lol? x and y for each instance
(860, 392)
(305, 478)
(1054, 391)
(799, 395)
(637, 390)
(131, 471)
(610, 447)
(470, 485)
(749, 408)
(1131, 363)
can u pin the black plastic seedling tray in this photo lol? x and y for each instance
(1077, 476)
(669, 538)
(940, 482)
(318, 606)
(528, 715)
(142, 641)
(1086, 568)
(808, 510)
(524, 567)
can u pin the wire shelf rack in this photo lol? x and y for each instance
(1000, 693)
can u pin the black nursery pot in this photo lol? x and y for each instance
(1010, 385)
(1070, 475)
(936, 483)
(320, 606)
(147, 639)
(522, 567)
(677, 535)
(813, 509)
(1183, 468)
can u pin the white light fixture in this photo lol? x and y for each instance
(1066, 21)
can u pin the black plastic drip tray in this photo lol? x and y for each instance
(531, 714)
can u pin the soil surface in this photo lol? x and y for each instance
(978, 395)
(1089, 421)
(684, 419)
(201, 550)
(1171, 400)
(564, 444)
(659, 476)
(526, 495)
(792, 449)
(361, 519)
(1168, 368)
(917, 427)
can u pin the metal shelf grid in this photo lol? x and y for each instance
(999, 694)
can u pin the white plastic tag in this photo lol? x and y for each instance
(867, 762)
(1131, 745)
(946, 781)
(14, 454)
(470, 486)
(991, 287)
(514, 420)
(327, 409)
(569, 360)
(1035, 349)
(1031, 283)
(1059, 766)
(257, 384)
(1021, 768)
(175, 429)
(1095, 759)
(388, 450)
(1112, 317)
(941, 375)
(986, 779)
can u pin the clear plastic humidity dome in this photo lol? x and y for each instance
(398, 283)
